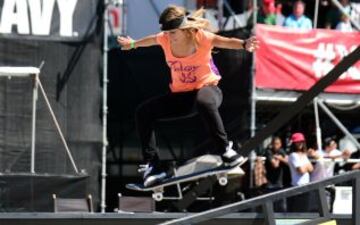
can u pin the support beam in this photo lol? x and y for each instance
(324, 209)
(338, 124)
(33, 122)
(200, 189)
(268, 209)
(317, 122)
(356, 201)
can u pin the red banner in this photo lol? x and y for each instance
(289, 59)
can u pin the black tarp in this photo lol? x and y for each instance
(33, 193)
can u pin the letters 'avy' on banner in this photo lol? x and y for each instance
(59, 20)
(294, 60)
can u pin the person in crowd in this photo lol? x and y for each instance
(356, 166)
(267, 13)
(270, 14)
(344, 25)
(300, 169)
(275, 163)
(297, 19)
(346, 144)
(187, 45)
(300, 166)
(334, 15)
(325, 169)
(353, 166)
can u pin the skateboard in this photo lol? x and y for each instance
(191, 172)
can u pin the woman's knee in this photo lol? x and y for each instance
(209, 97)
(205, 104)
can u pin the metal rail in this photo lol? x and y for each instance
(267, 200)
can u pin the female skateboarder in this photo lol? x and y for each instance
(187, 46)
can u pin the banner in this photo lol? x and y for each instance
(289, 59)
(60, 20)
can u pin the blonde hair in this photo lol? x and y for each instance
(194, 21)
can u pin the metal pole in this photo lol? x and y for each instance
(253, 100)
(317, 122)
(339, 124)
(253, 88)
(220, 14)
(124, 9)
(57, 126)
(316, 13)
(104, 107)
(33, 123)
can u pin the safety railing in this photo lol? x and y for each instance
(266, 202)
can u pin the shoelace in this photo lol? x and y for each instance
(143, 168)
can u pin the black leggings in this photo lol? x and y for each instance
(205, 101)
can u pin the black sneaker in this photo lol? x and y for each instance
(231, 157)
(152, 174)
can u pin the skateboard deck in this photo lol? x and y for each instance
(221, 172)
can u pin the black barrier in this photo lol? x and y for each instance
(24, 192)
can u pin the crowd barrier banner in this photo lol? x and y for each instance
(291, 59)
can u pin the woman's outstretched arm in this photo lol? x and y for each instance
(250, 44)
(128, 43)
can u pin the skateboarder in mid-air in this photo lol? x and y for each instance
(187, 46)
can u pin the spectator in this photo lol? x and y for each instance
(260, 173)
(333, 17)
(356, 166)
(325, 169)
(347, 144)
(297, 19)
(276, 161)
(267, 13)
(300, 168)
(353, 166)
(280, 18)
(344, 25)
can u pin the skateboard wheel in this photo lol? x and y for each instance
(158, 197)
(223, 181)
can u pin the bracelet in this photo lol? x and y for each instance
(132, 44)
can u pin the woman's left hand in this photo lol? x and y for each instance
(251, 44)
(124, 42)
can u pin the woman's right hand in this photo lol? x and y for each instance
(124, 42)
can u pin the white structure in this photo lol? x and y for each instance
(343, 200)
(34, 73)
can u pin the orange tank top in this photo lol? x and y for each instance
(194, 71)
